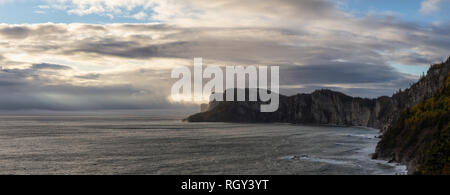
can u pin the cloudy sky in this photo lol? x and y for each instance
(117, 54)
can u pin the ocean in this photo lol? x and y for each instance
(161, 144)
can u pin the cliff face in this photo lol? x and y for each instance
(331, 108)
(328, 107)
(389, 109)
(320, 107)
(421, 136)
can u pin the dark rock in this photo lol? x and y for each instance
(326, 107)
(420, 138)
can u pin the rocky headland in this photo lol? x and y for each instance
(326, 107)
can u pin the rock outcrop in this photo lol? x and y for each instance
(421, 136)
(320, 107)
(428, 86)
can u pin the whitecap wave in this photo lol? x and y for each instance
(318, 159)
(365, 136)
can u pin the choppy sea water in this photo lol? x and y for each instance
(163, 144)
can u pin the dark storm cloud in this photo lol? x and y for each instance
(332, 73)
(15, 32)
(413, 59)
(386, 89)
(92, 76)
(43, 31)
(39, 92)
(92, 27)
(91, 90)
(32, 71)
(442, 43)
(146, 27)
(49, 29)
(314, 9)
(126, 49)
(10, 79)
(50, 66)
(285, 9)
(442, 29)
(361, 80)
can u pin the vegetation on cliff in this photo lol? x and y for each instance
(421, 136)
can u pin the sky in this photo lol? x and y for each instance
(115, 54)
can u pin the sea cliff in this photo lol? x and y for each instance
(421, 142)
(330, 107)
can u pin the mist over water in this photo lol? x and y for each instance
(160, 143)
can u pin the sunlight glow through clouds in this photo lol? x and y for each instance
(318, 40)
